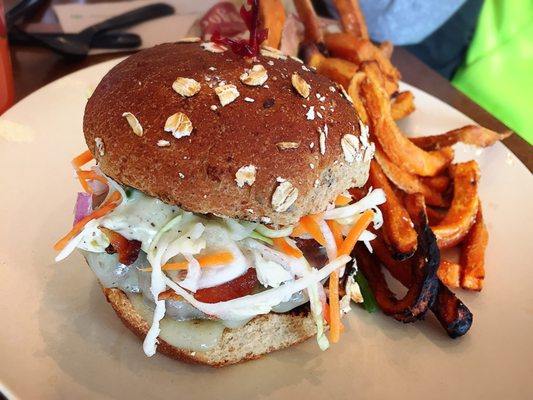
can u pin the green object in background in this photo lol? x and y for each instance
(498, 69)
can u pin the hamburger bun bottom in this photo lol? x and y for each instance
(261, 335)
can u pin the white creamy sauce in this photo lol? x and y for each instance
(138, 218)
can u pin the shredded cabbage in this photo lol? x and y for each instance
(373, 199)
(274, 233)
(157, 285)
(258, 236)
(269, 273)
(261, 303)
(169, 234)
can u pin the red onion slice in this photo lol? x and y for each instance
(84, 205)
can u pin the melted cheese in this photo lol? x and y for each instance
(138, 218)
(195, 335)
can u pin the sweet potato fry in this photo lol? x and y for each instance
(352, 18)
(310, 54)
(387, 48)
(440, 183)
(357, 193)
(396, 146)
(400, 270)
(435, 215)
(407, 182)
(469, 134)
(415, 206)
(336, 69)
(306, 12)
(473, 254)
(402, 105)
(423, 282)
(449, 273)
(358, 51)
(272, 16)
(353, 91)
(397, 225)
(453, 315)
(464, 207)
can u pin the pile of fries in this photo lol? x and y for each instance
(432, 203)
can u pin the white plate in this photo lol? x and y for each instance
(60, 339)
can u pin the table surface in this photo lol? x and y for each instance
(34, 67)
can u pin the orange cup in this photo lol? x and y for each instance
(7, 94)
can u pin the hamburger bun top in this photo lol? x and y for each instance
(271, 153)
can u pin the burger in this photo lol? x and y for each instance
(217, 216)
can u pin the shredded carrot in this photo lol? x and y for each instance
(342, 200)
(84, 183)
(298, 230)
(336, 231)
(82, 159)
(211, 260)
(326, 312)
(287, 248)
(334, 308)
(356, 231)
(84, 176)
(107, 206)
(310, 224)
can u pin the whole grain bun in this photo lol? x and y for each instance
(262, 335)
(198, 172)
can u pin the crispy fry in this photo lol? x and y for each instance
(358, 51)
(462, 213)
(402, 105)
(440, 183)
(473, 254)
(435, 215)
(387, 49)
(407, 182)
(396, 146)
(469, 134)
(414, 305)
(353, 91)
(415, 205)
(311, 55)
(272, 16)
(397, 226)
(338, 70)
(386, 82)
(449, 273)
(352, 18)
(453, 315)
(306, 12)
(400, 270)
(423, 282)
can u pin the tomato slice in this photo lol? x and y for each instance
(128, 250)
(238, 287)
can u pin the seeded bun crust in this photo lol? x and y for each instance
(262, 335)
(198, 172)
